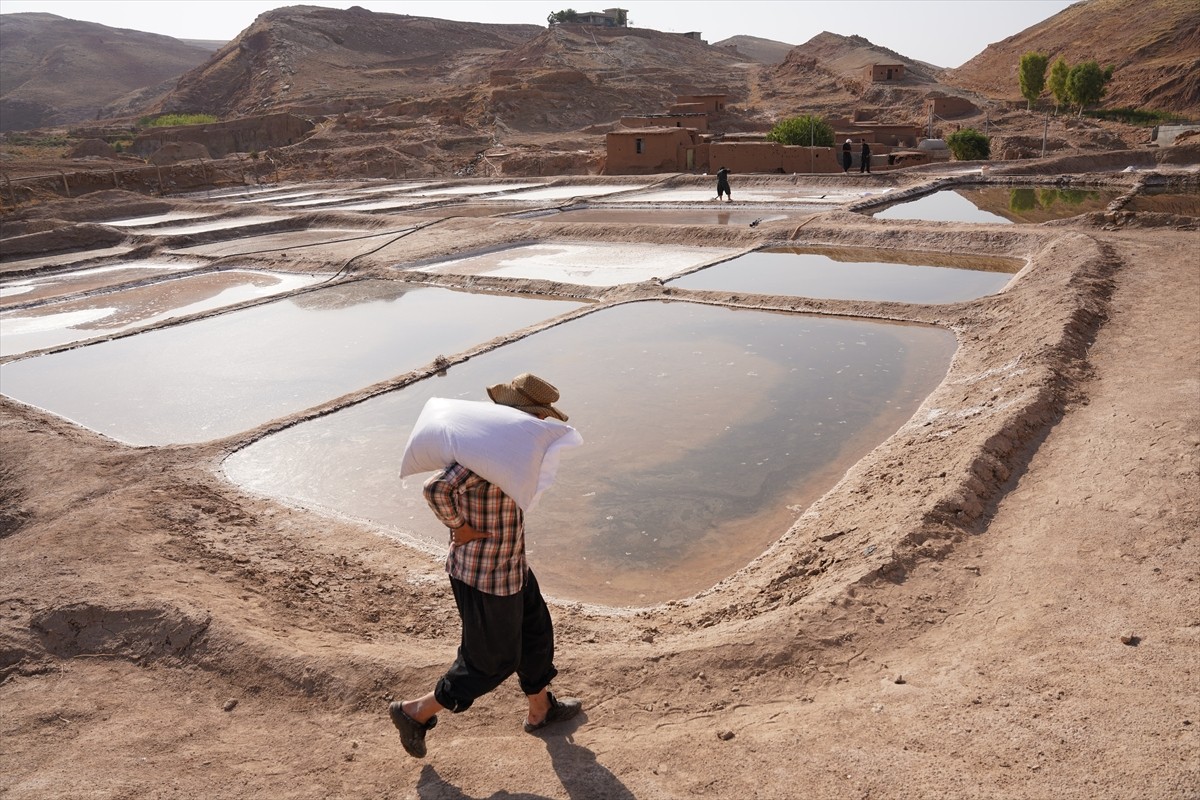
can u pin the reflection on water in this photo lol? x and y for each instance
(1001, 204)
(706, 431)
(116, 312)
(229, 373)
(848, 275)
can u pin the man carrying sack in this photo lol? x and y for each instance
(506, 625)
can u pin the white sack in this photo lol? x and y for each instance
(516, 451)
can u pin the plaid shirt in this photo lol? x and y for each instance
(495, 565)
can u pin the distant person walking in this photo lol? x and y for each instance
(723, 184)
(846, 157)
(865, 166)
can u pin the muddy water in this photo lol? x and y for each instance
(886, 275)
(1001, 205)
(707, 432)
(581, 263)
(115, 312)
(84, 280)
(232, 372)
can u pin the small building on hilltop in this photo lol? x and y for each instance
(880, 73)
(608, 18)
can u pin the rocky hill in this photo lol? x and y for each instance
(765, 51)
(59, 71)
(330, 60)
(1154, 46)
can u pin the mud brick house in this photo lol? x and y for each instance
(696, 121)
(698, 103)
(642, 151)
(879, 73)
(950, 107)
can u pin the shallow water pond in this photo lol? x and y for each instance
(54, 324)
(228, 373)
(846, 274)
(581, 263)
(670, 216)
(61, 284)
(707, 432)
(1003, 205)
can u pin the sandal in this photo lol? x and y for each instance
(560, 711)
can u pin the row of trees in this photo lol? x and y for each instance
(1081, 85)
(967, 144)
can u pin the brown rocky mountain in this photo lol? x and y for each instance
(765, 51)
(1154, 46)
(58, 71)
(329, 60)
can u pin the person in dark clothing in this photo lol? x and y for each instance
(846, 157)
(865, 166)
(723, 184)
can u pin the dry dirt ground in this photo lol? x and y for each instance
(999, 601)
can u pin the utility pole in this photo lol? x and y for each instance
(1045, 130)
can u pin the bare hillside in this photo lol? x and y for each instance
(766, 51)
(325, 58)
(1154, 46)
(59, 71)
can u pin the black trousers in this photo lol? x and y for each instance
(500, 636)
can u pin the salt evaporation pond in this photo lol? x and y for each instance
(567, 192)
(581, 263)
(1003, 205)
(107, 314)
(846, 274)
(707, 432)
(60, 284)
(284, 240)
(228, 373)
(154, 219)
(206, 227)
(657, 215)
(817, 197)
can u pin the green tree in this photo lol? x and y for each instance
(1032, 75)
(807, 129)
(1059, 71)
(1087, 83)
(566, 15)
(969, 144)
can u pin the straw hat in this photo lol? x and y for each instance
(529, 393)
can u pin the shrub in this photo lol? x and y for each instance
(969, 144)
(803, 130)
(169, 120)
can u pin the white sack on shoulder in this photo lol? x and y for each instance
(516, 451)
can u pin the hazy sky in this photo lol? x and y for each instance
(941, 32)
